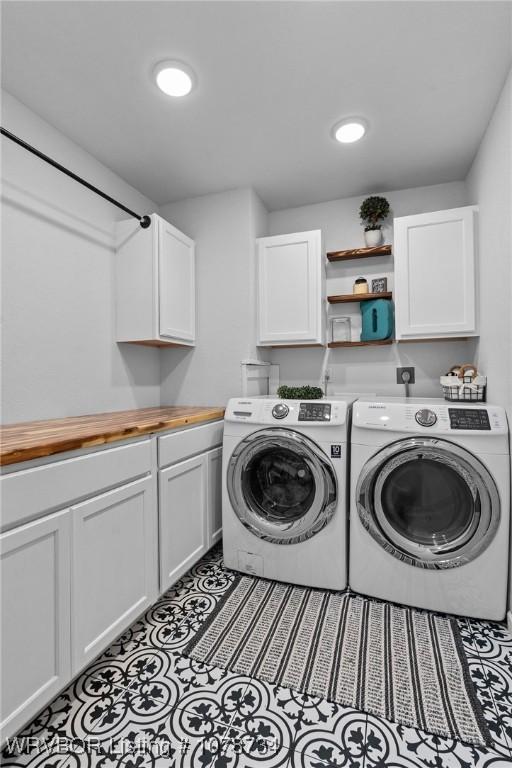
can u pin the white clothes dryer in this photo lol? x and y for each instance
(429, 511)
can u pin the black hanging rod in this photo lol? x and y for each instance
(144, 221)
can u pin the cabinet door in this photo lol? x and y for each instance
(35, 613)
(435, 274)
(183, 518)
(214, 495)
(290, 289)
(176, 271)
(114, 565)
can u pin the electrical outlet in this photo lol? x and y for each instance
(400, 373)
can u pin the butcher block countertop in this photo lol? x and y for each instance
(35, 439)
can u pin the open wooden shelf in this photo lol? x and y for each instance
(333, 344)
(352, 297)
(383, 342)
(359, 253)
(438, 338)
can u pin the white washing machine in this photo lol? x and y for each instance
(284, 502)
(429, 512)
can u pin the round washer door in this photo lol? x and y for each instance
(428, 502)
(281, 485)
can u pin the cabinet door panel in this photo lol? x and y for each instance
(176, 264)
(434, 274)
(179, 445)
(32, 492)
(35, 617)
(114, 565)
(290, 301)
(214, 495)
(183, 518)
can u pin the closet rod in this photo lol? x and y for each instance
(144, 221)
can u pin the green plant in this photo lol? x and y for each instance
(300, 393)
(373, 210)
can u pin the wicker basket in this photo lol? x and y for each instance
(464, 387)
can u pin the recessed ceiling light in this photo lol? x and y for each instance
(174, 78)
(349, 131)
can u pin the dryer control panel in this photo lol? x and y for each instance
(469, 418)
(435, 416)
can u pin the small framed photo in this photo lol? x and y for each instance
(380, 285)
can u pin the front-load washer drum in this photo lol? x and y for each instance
(428, 502)
(281, 485)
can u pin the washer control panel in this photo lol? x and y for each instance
(314, 411)
(425, 417)
(280, 411)
(272, 411)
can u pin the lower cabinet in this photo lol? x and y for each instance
(114, 572)
(73, 580)
(35, 610)
(183, 517)
(214, 502)
(190, 509)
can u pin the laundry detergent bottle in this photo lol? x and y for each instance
(377, 320)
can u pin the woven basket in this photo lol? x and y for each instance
(465, 389)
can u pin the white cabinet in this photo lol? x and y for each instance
(35, 611)
(73, 580)
(114, 572)
(435, 274)
(189, 497)
(32, 492)
(291, 288)
(155, 284)
(214, 495)
(188, 442)
(183, 517)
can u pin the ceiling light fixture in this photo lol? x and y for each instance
(349, 130)
(174, 78)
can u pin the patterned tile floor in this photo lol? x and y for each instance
(145, 705)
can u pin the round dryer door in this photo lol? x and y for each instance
(281, 485)
(428, 502)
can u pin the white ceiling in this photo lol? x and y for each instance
(273, 77)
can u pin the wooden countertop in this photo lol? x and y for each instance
(35, 439)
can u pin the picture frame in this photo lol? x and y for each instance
(380, 285)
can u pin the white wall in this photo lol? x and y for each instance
(367, 369)
(58, 350)
(489, 187)
(223, 226)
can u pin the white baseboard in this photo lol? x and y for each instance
(509, 621)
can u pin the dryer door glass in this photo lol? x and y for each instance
(429, 503)
(281, 485)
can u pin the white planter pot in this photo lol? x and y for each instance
(373, 237)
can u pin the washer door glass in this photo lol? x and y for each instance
(428, 502)
(281, 485)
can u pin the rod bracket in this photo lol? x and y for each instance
(145, 222)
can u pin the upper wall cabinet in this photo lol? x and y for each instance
(291, 287)
(435, 274)
(155, 284)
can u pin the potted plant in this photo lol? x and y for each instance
(372, 211)
(299, 393)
